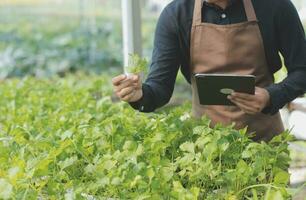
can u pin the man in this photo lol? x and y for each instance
(226, 36)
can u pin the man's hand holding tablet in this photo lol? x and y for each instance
(251, 104)
(227, 89)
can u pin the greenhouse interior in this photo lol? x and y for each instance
(71, 128)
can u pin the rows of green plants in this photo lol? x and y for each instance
(44, 46)
(67, 138)
(43, 40)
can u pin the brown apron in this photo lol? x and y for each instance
(232, 49)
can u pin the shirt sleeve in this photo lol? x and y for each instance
(159, 85)
(292, 45)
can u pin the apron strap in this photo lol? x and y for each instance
(197, 12)
(249, 10)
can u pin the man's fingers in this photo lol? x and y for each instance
(139, 81)
(244, 96)
(125, 87)
(243, 107)
(125, 91)
(135, 81)
(128, 97)
(240, 100)
(257, 90)
(117, 80)
(126, 83)
(254, 107)
(138, 85)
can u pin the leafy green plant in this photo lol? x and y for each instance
(65, 138)
(136, 64)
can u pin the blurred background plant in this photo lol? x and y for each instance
(44, 37)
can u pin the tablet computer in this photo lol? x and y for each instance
(213, 89)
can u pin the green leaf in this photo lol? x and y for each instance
(136, 64)
(274, 195)
(282, 177)
(6, 189)
(67, 162)
(150, 174)
(67, 134)
(187, 147)
(195, 192)
(116, 181)
(104, 181)
(167, 173)
(70, 195)
(177, 187)
(255, 196)
(109, 164)
(139, 150)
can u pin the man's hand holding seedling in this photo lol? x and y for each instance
(128, 86)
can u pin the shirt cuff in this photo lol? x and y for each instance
(142, 104)
(273, 107)
(138, 105)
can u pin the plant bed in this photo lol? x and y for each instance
(65, 138)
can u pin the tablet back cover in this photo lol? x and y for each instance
(214, 89)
